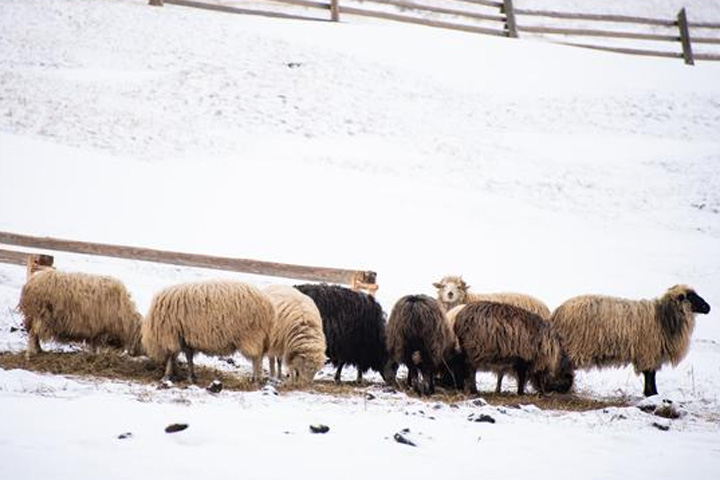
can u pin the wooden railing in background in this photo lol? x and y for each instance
(498, 18)
(356, 279)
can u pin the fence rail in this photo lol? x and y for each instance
(501, 18)
(355, 278)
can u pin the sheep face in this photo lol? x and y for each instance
(305, 368)
(559, 381)
(697, 303)
(451, 290)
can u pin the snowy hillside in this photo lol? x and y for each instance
(413, 152)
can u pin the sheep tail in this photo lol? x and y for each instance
(416, 357)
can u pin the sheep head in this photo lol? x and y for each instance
(452, 290)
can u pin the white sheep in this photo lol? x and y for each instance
(213, 317)
(78, 307)
(297, 338)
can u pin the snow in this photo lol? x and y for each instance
(414, 152)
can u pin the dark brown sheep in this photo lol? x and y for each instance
(419, 337)
(494, 335)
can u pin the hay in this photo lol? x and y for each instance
(110, 366)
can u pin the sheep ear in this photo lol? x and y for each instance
(437, 285)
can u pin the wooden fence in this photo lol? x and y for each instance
(356, 279)
(501, 18)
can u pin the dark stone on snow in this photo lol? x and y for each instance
(660, 426)
(125, 436)
(400, 438)
(215, 386)
(176, 427)
(319, 428)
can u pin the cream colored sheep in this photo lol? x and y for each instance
(77, 307)
(213, 317)
(297, 338)
(453, 291)
(601, 331)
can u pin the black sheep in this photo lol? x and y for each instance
(354, 327)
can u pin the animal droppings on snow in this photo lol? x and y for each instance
(215, 386)
(481, 418)
(269, 390)
(369, 396)
(661, 426)
(176, 427)
(125, 436)
(318, 428)
(401, 437)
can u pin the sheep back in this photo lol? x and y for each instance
(214, 317)
(418, 332)
(354, 326)
(297, 335)
(78, 307)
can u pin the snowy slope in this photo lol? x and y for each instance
(409, 151)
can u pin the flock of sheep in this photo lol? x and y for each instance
(444, 339)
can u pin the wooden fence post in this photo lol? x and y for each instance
(335, 10)
(156, 3)
(685, 37)
(510, 23)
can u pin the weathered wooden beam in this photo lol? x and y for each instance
(416, 7)
(248, 11)
(595, 17)
(420, 21)
(156, 3)
(685, 37)
(581, 32)
(510, 23)
(334, 11)
(13, 257)
(256, 267)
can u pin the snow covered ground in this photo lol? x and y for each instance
(409, 151)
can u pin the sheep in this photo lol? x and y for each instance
(493, 335)
(214, 317)
(601, 331)
(354, 327)
(297, 338)
(453, 291)
(418, 336)
(78, 307)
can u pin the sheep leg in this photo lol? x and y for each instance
(170, 368)
(359, 376)
(271, 363)
(470, 383)
(257, 368)
(279, 367)
(338, 372)
(498, 386)
(189, 353)
(412, 376)
(650, 387)
(430, 381)
(521, 373)
(33, 345)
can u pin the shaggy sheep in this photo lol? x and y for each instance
(453, 291)
(603, 331)
(77, 307)
(354, 326)
(418, 336)
(494, 335)
(214, 317)
(297, 338)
